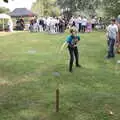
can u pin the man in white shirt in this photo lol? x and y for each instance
(57, 25)
(80, 21)
(48, 24)
(84, 24)
(93, 23)
(112, 31)
(52, 25)
(71, 21)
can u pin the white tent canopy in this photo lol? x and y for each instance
(4, 16)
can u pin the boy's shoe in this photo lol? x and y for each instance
(70, 71)
(113, 56)
(107, 57)
(79, 66)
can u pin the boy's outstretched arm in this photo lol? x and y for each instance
(62, 47)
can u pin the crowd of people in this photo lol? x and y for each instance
(60, 24)
(49, 24)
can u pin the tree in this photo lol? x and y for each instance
(80, 5)
(46, 7)
(112, 7)
(5, 1)
(4, 10)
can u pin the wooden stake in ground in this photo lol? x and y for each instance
(57, 100)
(57, 75)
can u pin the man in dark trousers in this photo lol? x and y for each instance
(112, 31)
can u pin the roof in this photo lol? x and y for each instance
(22, 12)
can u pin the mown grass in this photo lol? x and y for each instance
(27, 82)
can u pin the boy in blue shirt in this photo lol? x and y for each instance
(72, 42)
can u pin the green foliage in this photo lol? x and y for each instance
(109, 7)
(112, 7)
(4, 10)
(46, 8)
(80, 5)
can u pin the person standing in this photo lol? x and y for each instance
(77, 23)
(112, 31)
(72, 42)
(10, 24)
(80, 21)
(84, 24)
(89, 27)
(40, 24)
(22, 24)
(93, 21)
(48, 24)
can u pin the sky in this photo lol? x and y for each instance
(17, 4)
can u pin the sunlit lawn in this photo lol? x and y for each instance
(27, 82)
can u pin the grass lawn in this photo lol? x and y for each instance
(27, 83)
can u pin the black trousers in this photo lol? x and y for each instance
(73, 51)
(83, 28)
(80, 27)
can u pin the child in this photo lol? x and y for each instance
(89, 27)
(72, 42)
